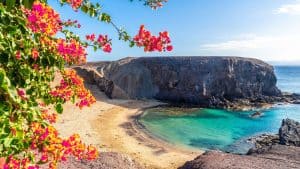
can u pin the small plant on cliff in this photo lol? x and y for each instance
(31, 55)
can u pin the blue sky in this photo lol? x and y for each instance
(264, 29)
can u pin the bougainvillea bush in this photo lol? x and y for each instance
(31, 55)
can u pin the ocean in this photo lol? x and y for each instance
(225, 130)
(288, 78)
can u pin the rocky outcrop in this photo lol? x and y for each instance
(263, 143)
(91, 76)
(256, 114)
(279, 157)
(204, 81)
(289, 133)
(269, 152)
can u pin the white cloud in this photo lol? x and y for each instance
(270, 48)
(248, 42)
(293, 9)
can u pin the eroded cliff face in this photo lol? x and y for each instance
(206, 81)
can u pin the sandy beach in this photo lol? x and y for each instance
(111, 126)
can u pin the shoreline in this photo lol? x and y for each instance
(109, 125)
(139, 126)
(121, 132)
(112, 126)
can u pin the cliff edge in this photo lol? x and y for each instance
(204, 81)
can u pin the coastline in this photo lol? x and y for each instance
(111, 126)
(121, 132)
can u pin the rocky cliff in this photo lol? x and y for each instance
(204, 81)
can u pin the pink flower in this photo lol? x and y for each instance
(169, 48)
(152, 43)
(21, 93)
(18, 55)
(44, 157)
(35, 54)
(107, 48)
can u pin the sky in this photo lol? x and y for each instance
(263, 29)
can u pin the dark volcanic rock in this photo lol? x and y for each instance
(278, 157)
(256, 114)
(263, 143)
(93, 77)
(289, 132)
(205, 81)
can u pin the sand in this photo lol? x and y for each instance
(110, 125)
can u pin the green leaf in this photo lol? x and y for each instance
(59, 109)
(104, 17)
(92, 12)
(10, 3)
(28, 3)
(5, 107)
(73, 99)
(84, 9)
(131, 44)
(7, 142)
(2, 76)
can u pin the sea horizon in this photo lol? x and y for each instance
(271, 62)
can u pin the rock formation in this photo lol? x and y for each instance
(279, 157)
(256, 114)
(289, 133)
(204, 81)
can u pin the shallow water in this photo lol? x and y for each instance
(222, 129)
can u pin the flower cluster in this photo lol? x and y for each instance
(63, 91)
(46, 113)
(43, 19)
(49, 147)
(50, 117)
(19, 164)
(102, 42)
(152, 43)
(71, 50)
(72, 86)
(90, 37)
(75, 3)
(49, 43)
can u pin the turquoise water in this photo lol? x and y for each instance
(222, 129)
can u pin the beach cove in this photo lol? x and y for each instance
(118, 125)
(109, 125)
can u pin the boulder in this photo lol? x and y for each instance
(256, 114)
(289, 132)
